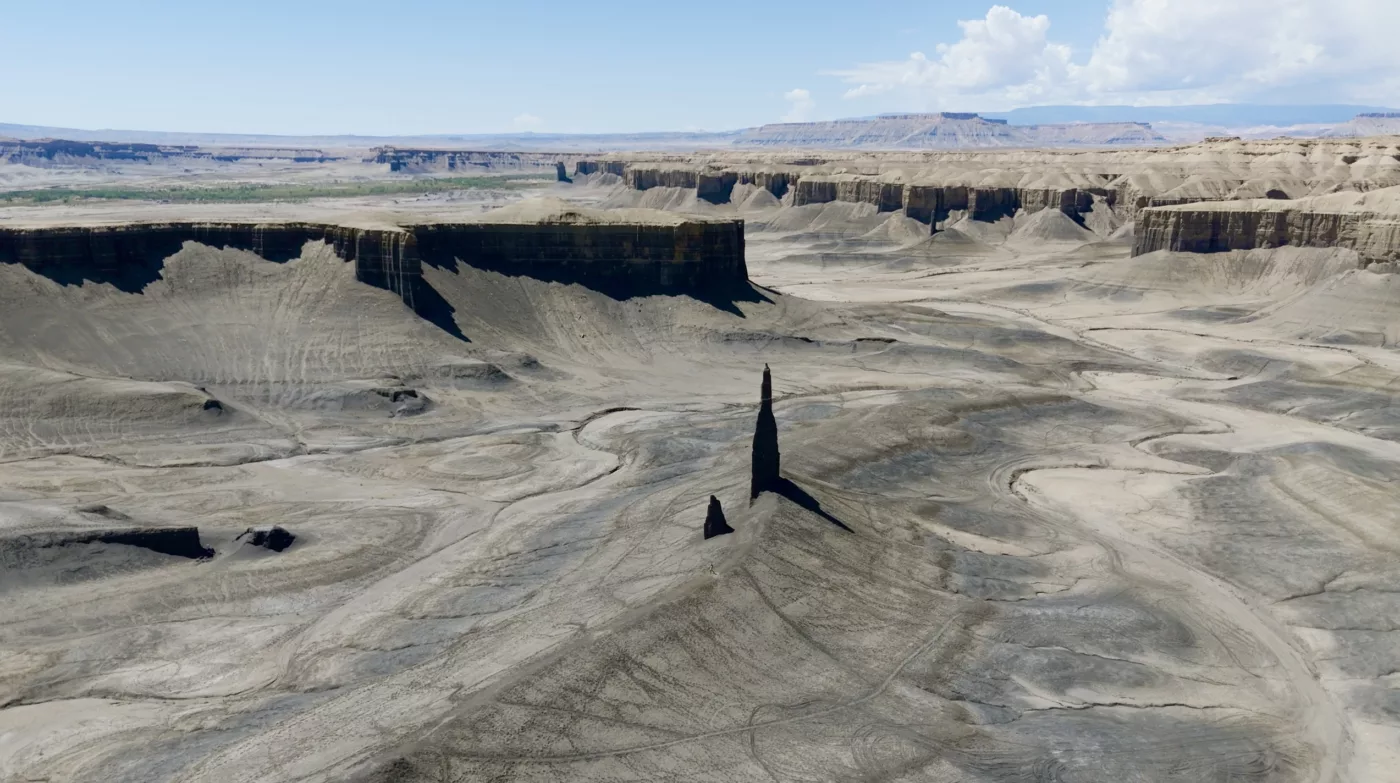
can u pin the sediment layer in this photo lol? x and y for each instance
(926, 186)
(425, 161)
(1368, 224)
(638, 253)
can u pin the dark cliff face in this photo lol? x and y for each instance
(638, 178)
(174, 541)
(131, 256)
(928, 203)
(583, 168)
(618, 259)
(1203, 229)
(766, 465)
(702, 259)
(464, 161)
(715, 523)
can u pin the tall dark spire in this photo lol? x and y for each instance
(765, 443)
(715, 523)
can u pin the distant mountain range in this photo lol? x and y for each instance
(1240, 115)
(1034, 126)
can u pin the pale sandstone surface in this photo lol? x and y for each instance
(1057, 511)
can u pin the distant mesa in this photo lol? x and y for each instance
(272, 537)
(715, 523)
(942, 130)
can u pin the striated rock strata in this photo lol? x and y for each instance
(1367, 223)
(60, 152)
(428, 161)
(624, 252)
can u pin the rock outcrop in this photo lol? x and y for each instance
(766, 474)
(1367, 223)
(931, 202)
(585, 167)
(271, 537)
(646, 178)
(621, 252)
(886, 196)
(715, 523)
(465, 162)
(130, 255)
(174, 541)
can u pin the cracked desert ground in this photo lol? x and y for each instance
(1084, 515)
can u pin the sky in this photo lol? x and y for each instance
(604, 66)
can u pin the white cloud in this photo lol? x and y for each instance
(800, 105)
(1158, 51)
(526, 122)
(1005, 54)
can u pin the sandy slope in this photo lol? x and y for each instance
(1082, 518)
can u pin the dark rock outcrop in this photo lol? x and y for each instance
(932, 203)
(130, 256)
(776, 182)
(561, 172)
(684, 256)
(416, 161)
(715, 523)
(272, 537)
(174, 541)
(766, 467)
(667, 255)
(646, 178)
(715, 186)
(585, 167)
(886, 196)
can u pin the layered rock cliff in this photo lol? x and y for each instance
(1367, 223)
(61, 152)
(625, 252)
(428, 161)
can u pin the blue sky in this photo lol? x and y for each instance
(432, 66)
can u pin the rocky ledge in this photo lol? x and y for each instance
(629, 252)
(1368, 223)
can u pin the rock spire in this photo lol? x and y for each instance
(715, 523)
(765, 443)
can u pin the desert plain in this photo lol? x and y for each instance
(1089, 469)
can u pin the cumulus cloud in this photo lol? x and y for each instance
(800, 105)
(526, 122)
(1004, 54)
(1210, 49)
(1158, 51)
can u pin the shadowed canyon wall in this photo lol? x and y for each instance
(1213, 228)
(621, 259)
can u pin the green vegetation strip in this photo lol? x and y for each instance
(256, 192)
